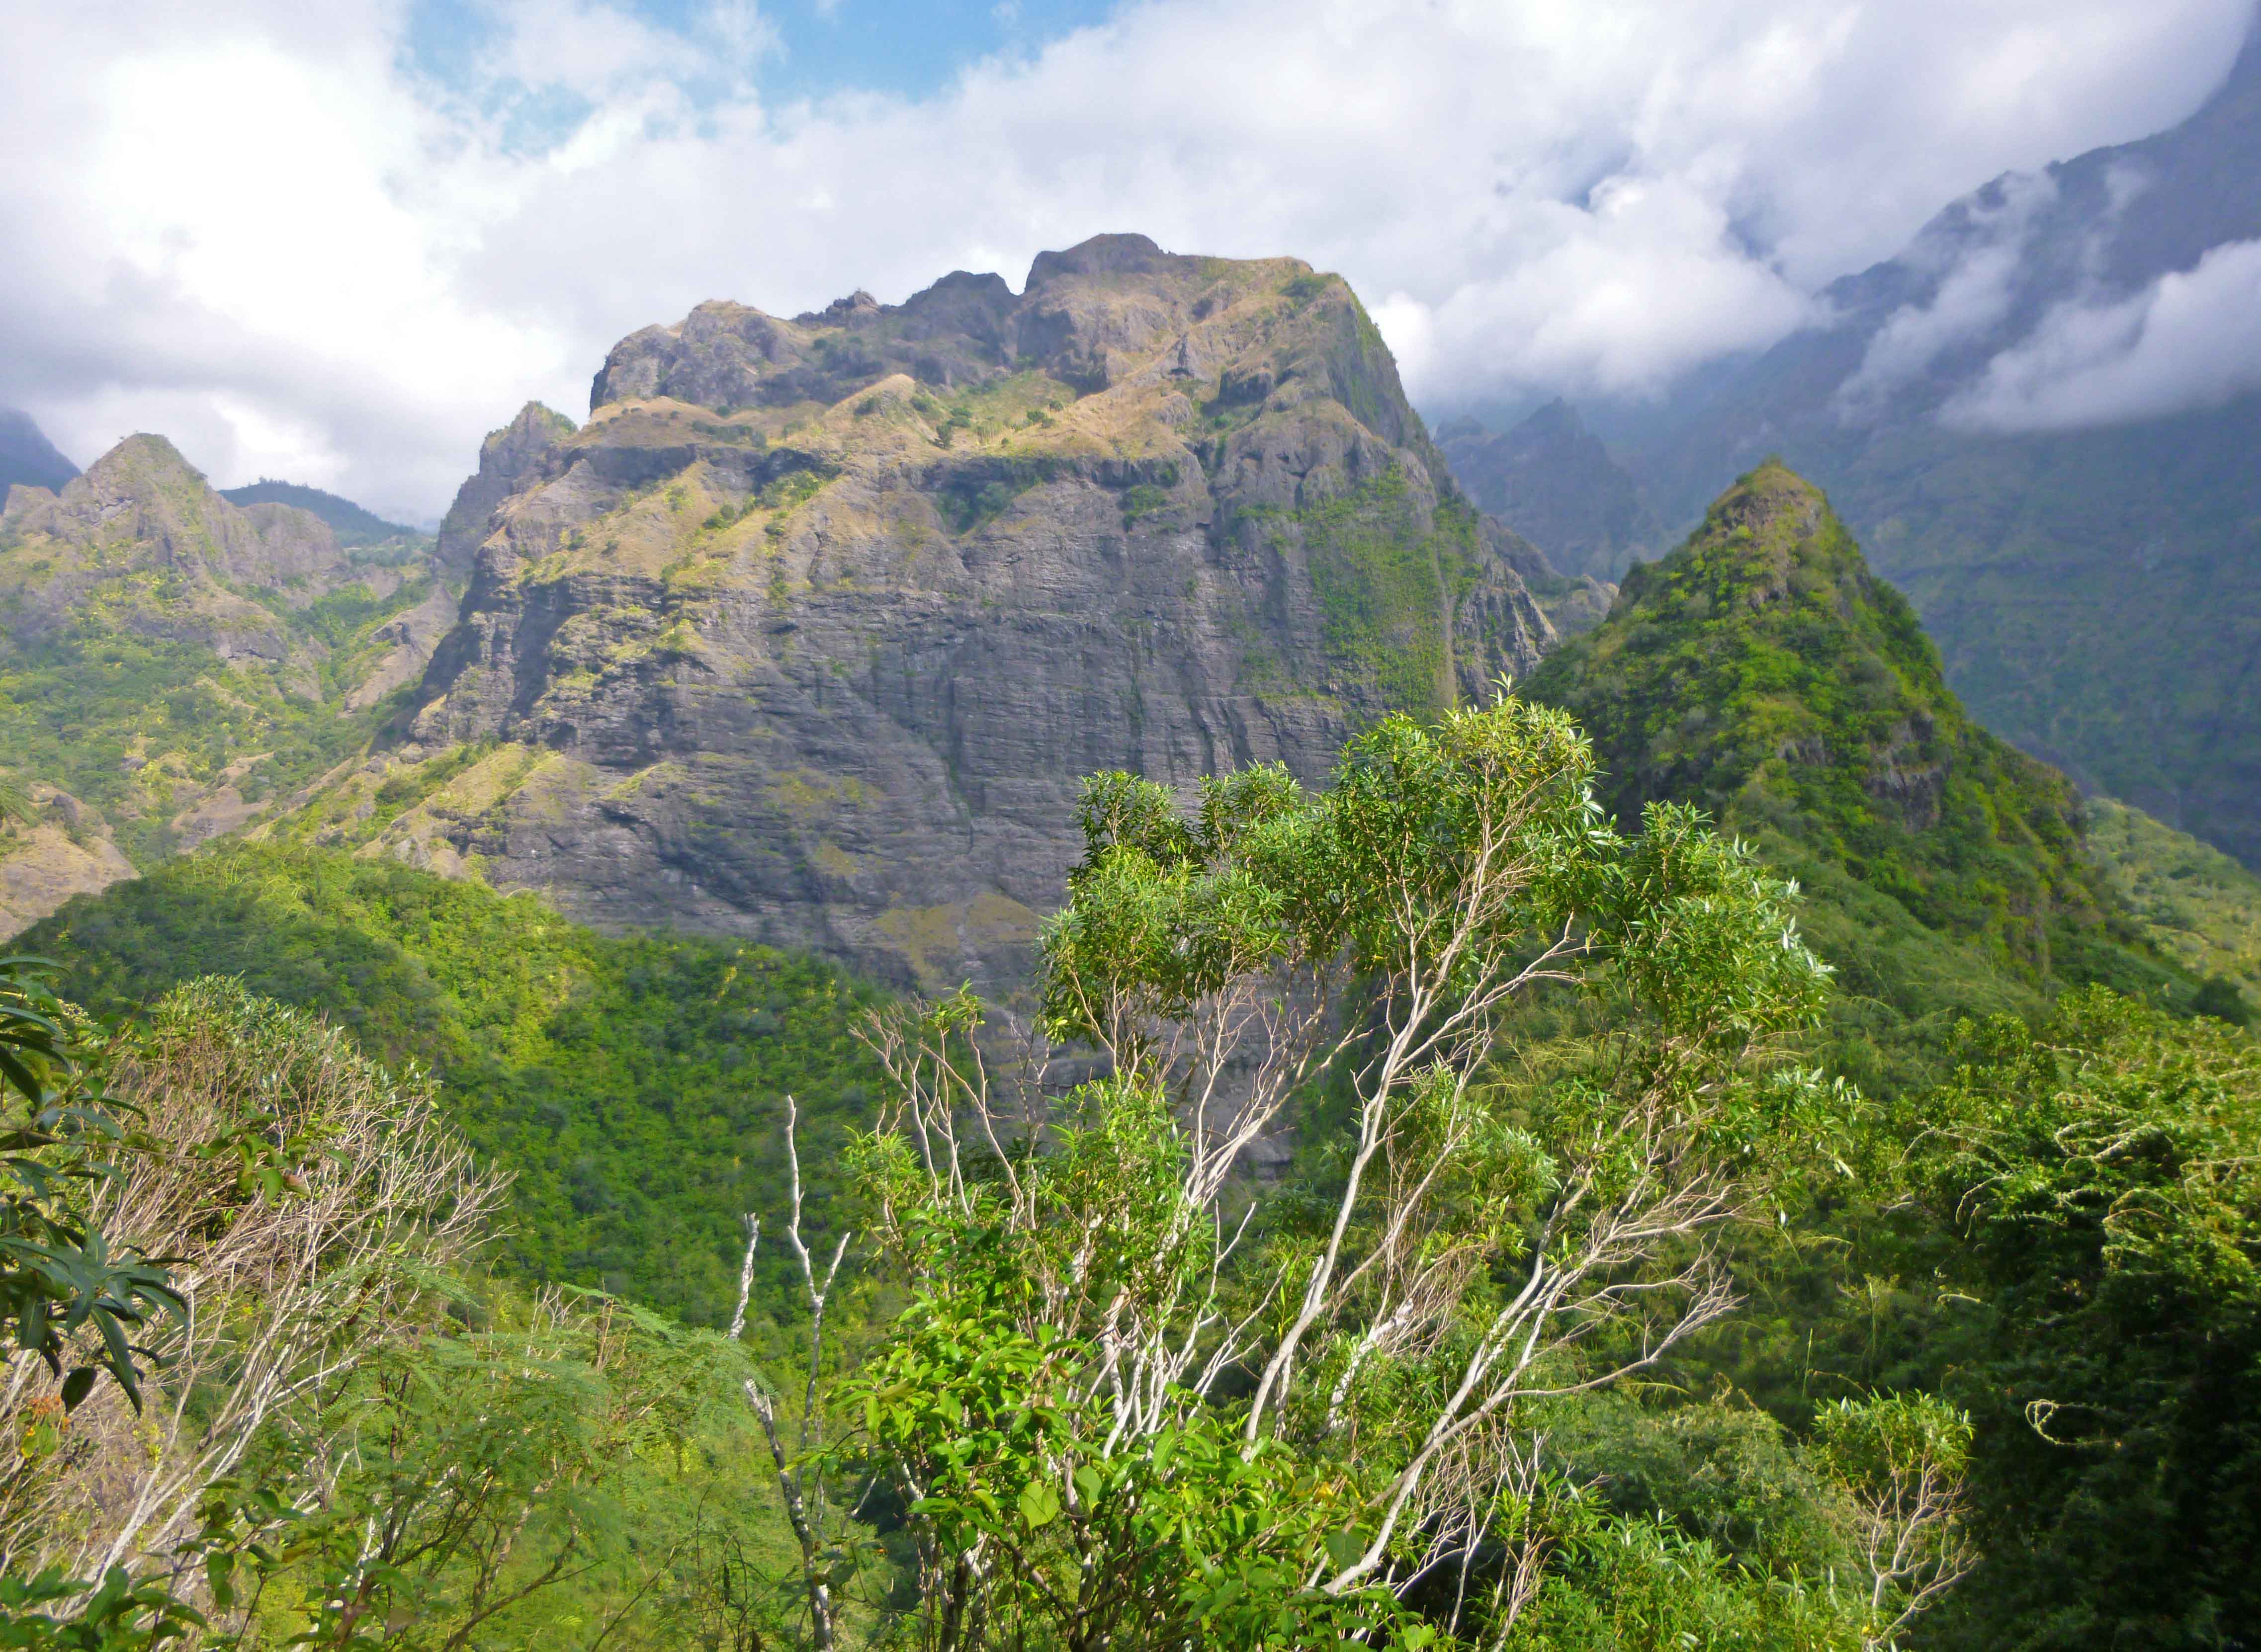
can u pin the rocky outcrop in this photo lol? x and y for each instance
(811, 632)
(63, 849)
(507, 458)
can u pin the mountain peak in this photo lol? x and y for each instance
(1774, 515)
(140, 461)
(1762, 671)
(1118, 255)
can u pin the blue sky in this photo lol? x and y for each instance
(809, 48)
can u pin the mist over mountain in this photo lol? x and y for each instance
(2041, 420)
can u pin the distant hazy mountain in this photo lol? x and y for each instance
(27, 456)
(352, 525)
(1551, 480)
(2039, 420)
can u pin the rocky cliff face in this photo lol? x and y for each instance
(809, 634)
(1551, 480)
(182, 663)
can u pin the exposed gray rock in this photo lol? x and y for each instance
(811, 633)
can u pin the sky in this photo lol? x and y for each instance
(337, 242)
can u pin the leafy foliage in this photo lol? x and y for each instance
(2095, 1186)
(61, 1275)
(633, 1084)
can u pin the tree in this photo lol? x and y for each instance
(1901, 1460)
(1102, 1301)
(308, 1204)
(2092, 1191)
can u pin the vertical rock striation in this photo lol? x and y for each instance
(809, 634)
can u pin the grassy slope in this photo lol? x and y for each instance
(134, 724)
(2199, 907)
(635, 1085)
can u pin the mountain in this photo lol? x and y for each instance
(26, 456)
(810, 634)
(177, 664)
(2015, 417)
(349, 524)
(1763, 671)
(1551, 480)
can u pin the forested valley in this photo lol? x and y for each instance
(1740, 1170)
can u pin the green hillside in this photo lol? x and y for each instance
(634, 1086)
(182, 664)
(1764, 672)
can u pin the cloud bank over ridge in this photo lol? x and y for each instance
(285, 237)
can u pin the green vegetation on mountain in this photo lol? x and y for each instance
(2196, 904)
(1388, 574)
(2085, 1198)
(178, 663)
(1455, 1380)
(1764, 673)
(631, 1086)
(2040, 1210)
(142, 728)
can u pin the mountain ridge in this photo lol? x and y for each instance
(27, 458)
(809, 633)
(352, 525)
(175, 665)
(1551, 479)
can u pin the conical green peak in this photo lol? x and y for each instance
(141, 462)
(1770, 536)
(1763, 672)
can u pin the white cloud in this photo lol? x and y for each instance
(2191, 339)
(1974, 285)
(258, 224)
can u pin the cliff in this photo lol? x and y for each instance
(809, 633)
